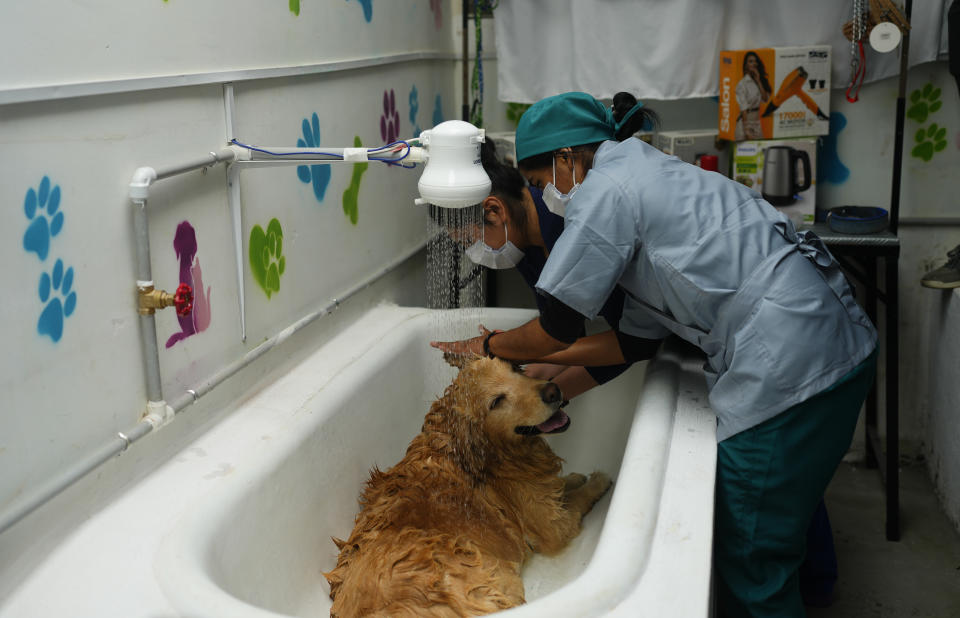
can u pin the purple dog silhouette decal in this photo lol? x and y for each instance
(185, 246)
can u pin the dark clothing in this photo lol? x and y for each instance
(565, 326)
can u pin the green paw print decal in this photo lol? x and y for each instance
(515, 110)
(351, 202)
(924, 102)
(266, 256)
(930, 140)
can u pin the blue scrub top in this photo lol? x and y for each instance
(530, 267)
(706, 258)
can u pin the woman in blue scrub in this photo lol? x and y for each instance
(790, 354)
(516, 213)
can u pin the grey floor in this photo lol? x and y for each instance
(917, 576)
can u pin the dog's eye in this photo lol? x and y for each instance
(497, 401)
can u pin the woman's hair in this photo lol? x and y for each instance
(505, 182)
(761, 70)
(623, 102)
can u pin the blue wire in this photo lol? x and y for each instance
(339, 157)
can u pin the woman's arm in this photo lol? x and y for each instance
(522, 344)
(595, 350)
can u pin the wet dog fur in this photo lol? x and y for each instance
(446, 530)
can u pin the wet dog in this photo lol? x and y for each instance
(446, 530)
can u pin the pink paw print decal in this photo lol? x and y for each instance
(390, 120)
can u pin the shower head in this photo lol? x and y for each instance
(453, 176)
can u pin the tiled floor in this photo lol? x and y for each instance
(917, 576)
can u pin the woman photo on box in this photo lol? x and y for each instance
(752, 91)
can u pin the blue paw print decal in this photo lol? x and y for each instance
(367, 9)
(59, 300)
(318, 174)
(414, 108)
(41, 208)
(437, 110)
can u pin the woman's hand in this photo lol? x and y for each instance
(464, 347)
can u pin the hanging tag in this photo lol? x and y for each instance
(885, 37)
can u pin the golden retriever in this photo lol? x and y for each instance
(446, 530)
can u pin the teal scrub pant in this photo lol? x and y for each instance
(770, 479)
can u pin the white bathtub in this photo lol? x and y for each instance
(239, 523)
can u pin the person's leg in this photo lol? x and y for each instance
(818, 573)
(770, 479)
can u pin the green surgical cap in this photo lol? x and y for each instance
(564, 120)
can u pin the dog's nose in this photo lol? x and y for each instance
(550, 393)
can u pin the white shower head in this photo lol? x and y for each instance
(453, 176)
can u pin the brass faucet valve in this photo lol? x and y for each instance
(152, 299)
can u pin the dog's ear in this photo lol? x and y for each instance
(471, 449)
(459, 360)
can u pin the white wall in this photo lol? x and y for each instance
(107, 86)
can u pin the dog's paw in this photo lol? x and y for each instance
(599, 483)
(574, 480)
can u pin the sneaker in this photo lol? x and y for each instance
(948, 275)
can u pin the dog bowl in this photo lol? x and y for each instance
(857, 219)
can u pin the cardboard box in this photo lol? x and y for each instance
(751, 167)
(690, 145)
(774, 92)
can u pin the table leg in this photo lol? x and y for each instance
(870, 417)
(893, 399)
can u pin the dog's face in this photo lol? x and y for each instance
(506, 403)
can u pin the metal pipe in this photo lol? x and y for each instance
(224, 155)
(28, 503)
(148, 325)
(898, 135)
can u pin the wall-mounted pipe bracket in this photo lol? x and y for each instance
(158, 414)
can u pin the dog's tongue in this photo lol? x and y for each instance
(558, 420)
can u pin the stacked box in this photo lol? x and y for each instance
(774, 92)
(690, 145)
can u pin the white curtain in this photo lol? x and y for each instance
(668, 49)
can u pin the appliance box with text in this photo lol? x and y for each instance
(785, 184)
(774, 92)
(690, 145)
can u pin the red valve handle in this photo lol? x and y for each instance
(183, 299)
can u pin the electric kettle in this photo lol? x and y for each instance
(780, 185)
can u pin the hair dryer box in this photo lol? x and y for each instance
(690, 145)
(774, 92)
(783, 171)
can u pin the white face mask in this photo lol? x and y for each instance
(507, 256)
(557, 202)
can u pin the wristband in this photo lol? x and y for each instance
(486, 342)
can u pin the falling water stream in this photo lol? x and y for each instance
(453, 281)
